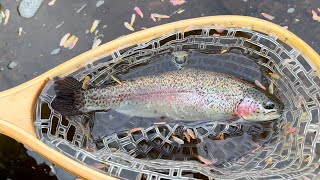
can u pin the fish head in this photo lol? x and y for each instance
(259, 105)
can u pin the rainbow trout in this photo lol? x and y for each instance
(188, 94)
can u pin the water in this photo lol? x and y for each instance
(32, 50)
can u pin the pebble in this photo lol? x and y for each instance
(55, 51)
(28, 8)
(290, 10)
(12, 65)
(99, 3)
(1, 69)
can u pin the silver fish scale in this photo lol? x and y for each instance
(191, 94)
(294, 155)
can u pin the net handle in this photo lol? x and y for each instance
(17, 104)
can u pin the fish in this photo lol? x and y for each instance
(187, 94)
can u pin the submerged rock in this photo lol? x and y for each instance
(55, 51)
(12, 65)
(28, 8)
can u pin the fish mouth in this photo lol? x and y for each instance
(273, 114)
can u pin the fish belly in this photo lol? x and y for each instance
(188, 106)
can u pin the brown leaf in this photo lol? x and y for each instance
(307, 158)
(274, 75)
(86, 82)
(285, 126)
(269, 161)
(224, 51)
(221, 136)
(134, 130)
(271, 88)
(178, 140)
(187, 136)
(191, 133)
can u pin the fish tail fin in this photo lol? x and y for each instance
(68, 100)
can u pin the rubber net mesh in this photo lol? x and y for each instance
(146, 148)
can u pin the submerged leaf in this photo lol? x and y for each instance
(180, 11)
(220, 30)
(94, 25)
(138, 11)
(3, 15)
(96, 43)
(190, 132)
(134, 130)
(224, 51)
(64, 39)
(269, 161)
(159, 16)
(133, 19)
(289, 62)
(274, 75)
(116, 80)
(128, 26)
(177, 2)
(291, 130)
(221, 136)
(86, 82)
(304, 116)
(100, 165)
(187, 136)
(206, 161)
(69, 41)
(268, 16)
(19, 31)
(259, 84)
(315, 16)
(7, 14)
(178, 140)
(51, 3)
(307, 158)
(73, 43)
(271, 88)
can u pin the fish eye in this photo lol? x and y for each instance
(269, 105)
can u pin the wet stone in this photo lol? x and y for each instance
(290, 10)
(12, 65)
